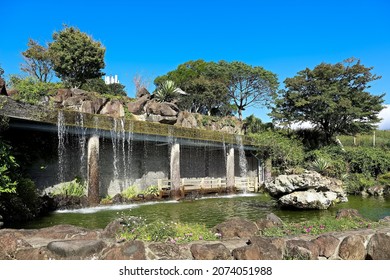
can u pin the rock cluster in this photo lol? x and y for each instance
(308, 190)
(240, 240)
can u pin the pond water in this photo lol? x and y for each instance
(209, 211)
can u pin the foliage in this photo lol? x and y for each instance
(31, 90)
(76, 57)
(152, 190)
(284, 151)
(98, 85)
(384, 179)
(319, 226)
(130, 192)
(358, 182)
(166, 92)
(248, 86)
(329, 161)
(72, 188)
(255, 125)
(370, 161)
(1, 71)
(333, 97)
(37, 62)
(159, 231)
(7, 167)
(382, 139)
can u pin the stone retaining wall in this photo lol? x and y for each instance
(70, 242)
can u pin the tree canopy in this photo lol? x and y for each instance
(37, 62)
(332, 97)
(76, 56)
(222, 87)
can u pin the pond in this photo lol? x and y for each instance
(209, 211)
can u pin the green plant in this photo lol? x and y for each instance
(152, 190)
(384, 179)
(166, 92)
(358, 182)
(31, 90)
(72, 188)
(159, 231)
(319, 226)
(130, 192)
(7, 168)
(320, 165)
(106, 200)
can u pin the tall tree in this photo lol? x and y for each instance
(76, 56)
(332, 97)
(249, 86)
(37, 62)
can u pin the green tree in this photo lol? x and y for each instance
(37, 62)
(98, 85)
(248, 86)
(332, 97)
(76, 56)
(1, 72)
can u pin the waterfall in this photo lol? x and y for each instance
(122, 139)
(61, 146)
(82, 144)
(114, 140)
(129, 151)
(243, 163)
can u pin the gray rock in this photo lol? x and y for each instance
(113, 108)
(302, 249)
(348, 213)
(352, 248)
(165, 109)
(130, 250)
(379, 247)
(168, 251)
(236, 227)
(137, 107)
(76, 249)
(186, 119)
(210, 252)
(327, 245)
(308, 200)
(259, 248)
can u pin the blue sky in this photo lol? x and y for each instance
(150, 38)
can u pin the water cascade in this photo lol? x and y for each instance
(61, 146)
(82, 143)
(243, 163)
(93, 170)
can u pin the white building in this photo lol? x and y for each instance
(111, 80)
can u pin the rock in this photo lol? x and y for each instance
(34, 254)
(165, 109)
(73, 102)
(210, 252)
(258, 248)
(137, 107)
(348, 213)
(62, 94)
(67, 232)
(92, 106)
(236, 227)
(379, 247)
(130, 250)
(10, 242)
(161, 119)
(301, 249)
(377, 191)
(186, 119)
(142, 92)
(168, 251)
(77, 91)
(327, 245)
(352, 248)
(270, 248)
(76, 249)
(274, 219)
(308, 200)
(385, 220)
(285, 184)
(114, 109)
(3, 90)
(113, 228)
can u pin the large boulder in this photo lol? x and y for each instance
(285, 184)
(165, 109)
(327, 245)
(130, 250)
(76, 249)
(186, 119)
(137, 107)
(236, 227)
(142, 92)
(379, 247)
(308, 200)
(352, 248)
(210, 252)
(258, 248)
(113, 108)
(3, 90)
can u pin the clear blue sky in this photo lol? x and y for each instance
(151, 38)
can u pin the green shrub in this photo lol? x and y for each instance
(130, 192)
(285, 152)
(358, 182)
(372, 161)
(159, 231)
(152, 190)
(7, 168)
(384, 179)
(31, 90)
(72, 188)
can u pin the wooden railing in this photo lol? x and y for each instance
(209, 185)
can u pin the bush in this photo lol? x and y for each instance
(7, 168)
(98, 85)
(358, 182)
(370, 161)
(31, 90)
(285, 152)
(130, 192)
(72, 188)
(159, 231)
(329, 161)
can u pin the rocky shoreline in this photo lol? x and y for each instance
(240, 241)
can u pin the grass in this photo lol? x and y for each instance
(317, 227)
(159, 231)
